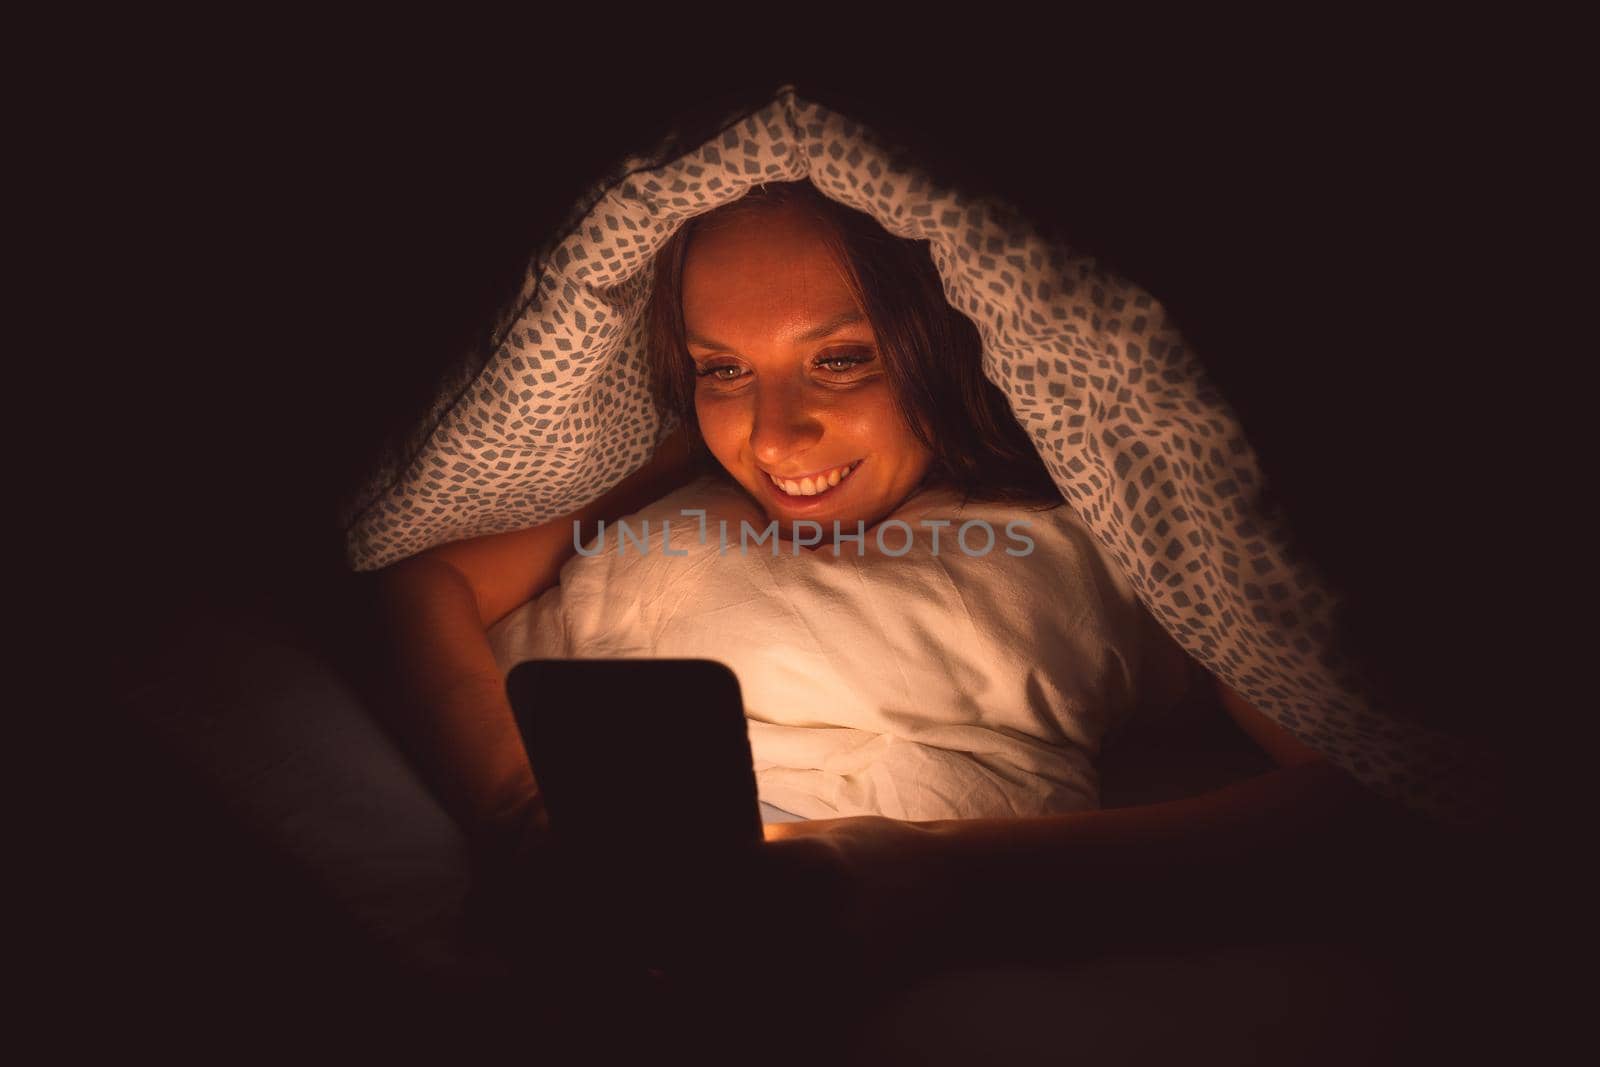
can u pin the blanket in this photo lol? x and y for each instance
(1145, 450)
(958, 661)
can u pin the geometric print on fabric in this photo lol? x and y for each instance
(1144, 448)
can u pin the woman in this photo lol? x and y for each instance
(786, 332)
(876, 311)
(905, 666)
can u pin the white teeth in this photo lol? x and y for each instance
(813, 486)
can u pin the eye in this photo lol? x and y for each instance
(840, 362)
(712, 372)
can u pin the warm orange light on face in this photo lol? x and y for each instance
(790, 384)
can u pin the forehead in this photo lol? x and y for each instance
(762, 267)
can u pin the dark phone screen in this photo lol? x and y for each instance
(615, 741)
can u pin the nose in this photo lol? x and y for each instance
(784, 425)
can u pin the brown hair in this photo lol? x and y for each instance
(932, 354)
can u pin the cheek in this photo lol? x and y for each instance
(719, 422)
(875, 420)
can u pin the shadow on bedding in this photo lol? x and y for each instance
(335, 879)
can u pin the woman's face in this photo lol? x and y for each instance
(790, 386)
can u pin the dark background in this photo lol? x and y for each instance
(279, 258)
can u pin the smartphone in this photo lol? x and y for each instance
(650, 792)
(639, 756)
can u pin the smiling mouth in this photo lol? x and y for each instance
(811, 488)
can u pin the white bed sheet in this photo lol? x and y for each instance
(938, 683)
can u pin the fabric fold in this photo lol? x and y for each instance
(917, 686)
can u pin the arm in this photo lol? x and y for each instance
(1282, 746)
(449, 704)
(1231, 861)
(1234, 861)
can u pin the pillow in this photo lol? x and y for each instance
(1144, 448)
(917, 677)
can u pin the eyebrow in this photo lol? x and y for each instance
(823, 329)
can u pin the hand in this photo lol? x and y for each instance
(512, 840)
(884, 891)
(513, 874)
